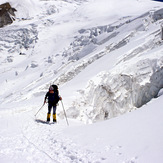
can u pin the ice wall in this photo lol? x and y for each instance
(121, 90)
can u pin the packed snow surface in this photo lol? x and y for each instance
(107, 59)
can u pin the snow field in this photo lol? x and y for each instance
(37, 142)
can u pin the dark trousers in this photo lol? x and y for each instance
(50, 106)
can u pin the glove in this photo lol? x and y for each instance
(45, 101)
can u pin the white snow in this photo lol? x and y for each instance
(106, 57)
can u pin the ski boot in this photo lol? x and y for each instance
(54, 118)
(48, 117)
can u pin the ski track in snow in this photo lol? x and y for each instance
(59, 148)
(38, 142)
(42, 143)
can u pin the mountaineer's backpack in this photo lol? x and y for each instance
(53, 94)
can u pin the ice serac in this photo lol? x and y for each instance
(111, 94)
(135, 79)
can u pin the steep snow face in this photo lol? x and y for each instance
(113, 10)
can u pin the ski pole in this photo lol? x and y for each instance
(39, 109)
(65, 113)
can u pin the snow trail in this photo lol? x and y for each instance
(37, 142)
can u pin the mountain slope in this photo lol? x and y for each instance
(53, 45)
(106, 57)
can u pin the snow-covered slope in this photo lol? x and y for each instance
(131, 138)
(106, 57)
(55, 46)
(135, 137)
